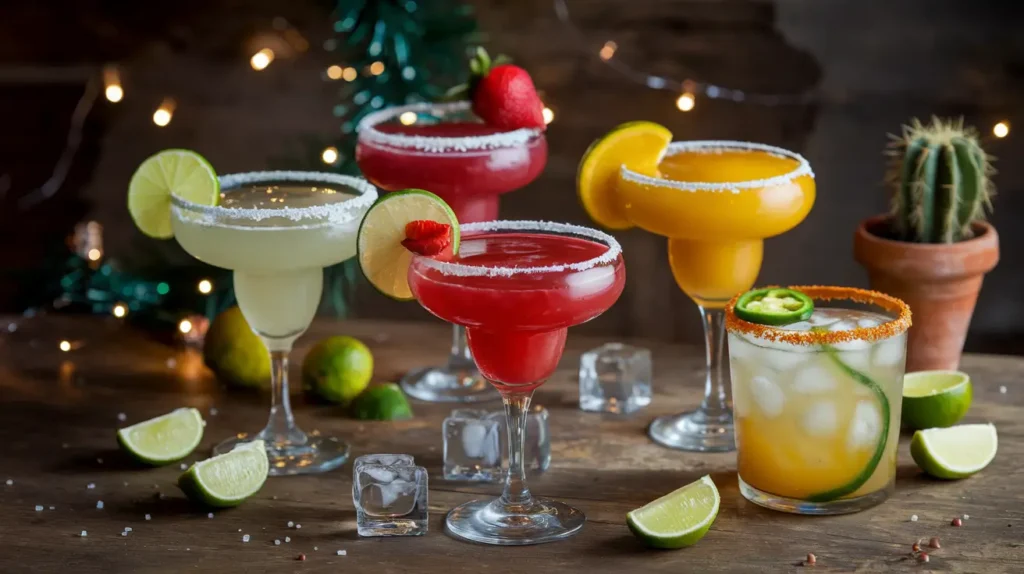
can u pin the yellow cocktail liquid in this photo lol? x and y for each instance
(716, 204)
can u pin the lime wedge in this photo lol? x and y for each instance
(678, 519)
(385, 262)
(954, 452)
(164, 439)
(174, 171)
(935, 398)
(227, 479)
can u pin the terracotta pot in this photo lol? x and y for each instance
(939, 281)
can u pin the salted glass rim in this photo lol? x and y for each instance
(330, 212)
(368, 132)
(898, 323)
(549, 227)
(803, 167)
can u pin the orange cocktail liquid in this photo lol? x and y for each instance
(715, 233)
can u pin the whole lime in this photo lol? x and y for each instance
(337, 369)
(385, 402)
(234, 353)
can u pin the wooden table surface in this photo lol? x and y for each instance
(58, 413)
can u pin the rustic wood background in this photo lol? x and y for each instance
(59, 411)
(876, 62)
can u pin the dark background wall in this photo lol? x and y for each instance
(876, 63)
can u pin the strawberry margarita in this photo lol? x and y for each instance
(517, 286)
(446, 149)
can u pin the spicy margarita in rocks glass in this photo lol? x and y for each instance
(448, 150)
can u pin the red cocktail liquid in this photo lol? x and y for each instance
(516, 318)
(469, 180)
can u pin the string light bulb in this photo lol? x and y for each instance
(165, 113)
(185, 326)
(94, 254)
(65, 346)
(349, 74)
(335, 72)
(112, 84)
(549, 115)
(1001, 129)
(686, 102)
(260, 60)
(407, 118)
(205, 286)
(329, 155)
(377, 68)
(119, 310)
(608, 50)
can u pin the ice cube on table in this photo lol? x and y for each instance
(390, 495)
(472, 446)
(814, 379)
(865, 426)
(615, 378)
(820, 419)
(767, 395)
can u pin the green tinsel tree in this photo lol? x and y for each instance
(423, 46)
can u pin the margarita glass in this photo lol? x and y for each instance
(716, 201)
(517, 286)
(277, 230)
(446, 149)
(818, 402)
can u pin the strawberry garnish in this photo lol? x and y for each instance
(426, 237)
(503, 95)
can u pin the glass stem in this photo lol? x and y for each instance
(717, 400)
(516, 494)
(281, 425)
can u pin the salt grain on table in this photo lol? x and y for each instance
(122, 417)
(10, 482)
(342, 552)
(277, 542)
(183, 466)
(148, 517)
(84, 534)
(1002, 389)
(287, 538)
(39, 508)
(209, 515)
(245, 538)
(99, 504)
(90, 486)
(297, 526)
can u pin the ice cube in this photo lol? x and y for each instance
(390, 496)
(783, 359)
(800, 326)
(472, 448)
(820, 419)
(852, 345)
(814, 379)
(615, 378)
(865, 426)
(890, 352)
(867, 323)
(860, 360)
(822, 318)
(767, 396)
(842, 326)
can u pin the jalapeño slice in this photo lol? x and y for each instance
(774, 306)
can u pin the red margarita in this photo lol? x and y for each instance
(517, 286)
(445, 149)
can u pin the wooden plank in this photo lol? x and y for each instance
(59, 411)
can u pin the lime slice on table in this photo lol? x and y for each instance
(174, 171)
(637, 145)
(678, 519)
(774, 306)
(227, 479)
(954, 452)
(383, 259)
(935, 398)
(163, 439)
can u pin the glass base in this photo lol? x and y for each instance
(443, 385)
(694, 431)
(298, 454)
(796, 506)
(490, 522)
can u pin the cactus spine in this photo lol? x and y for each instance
(940, 180)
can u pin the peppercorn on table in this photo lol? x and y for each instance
(71, 502)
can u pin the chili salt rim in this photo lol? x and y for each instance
(886, 330)
(460, 270)
(803, 167)
(368, 132)
(331, 212)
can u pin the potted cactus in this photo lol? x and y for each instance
(934, 248)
